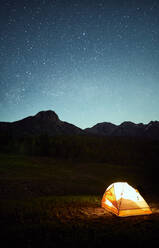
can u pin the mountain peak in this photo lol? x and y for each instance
(127, 123)
(103, 128)
(153, 123)
(47, 115)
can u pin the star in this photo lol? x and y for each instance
(82, 56)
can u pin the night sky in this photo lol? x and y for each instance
(90, 61)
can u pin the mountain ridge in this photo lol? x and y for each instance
(48, 122)
(44, 122)
(126, 129)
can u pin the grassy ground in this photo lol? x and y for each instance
(48, 203)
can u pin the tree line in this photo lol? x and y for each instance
(119, 150)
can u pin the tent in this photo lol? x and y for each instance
(123, 200)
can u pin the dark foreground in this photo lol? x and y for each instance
(48, 203)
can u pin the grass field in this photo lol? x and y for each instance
(52, 203)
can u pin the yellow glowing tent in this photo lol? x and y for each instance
(123, 200)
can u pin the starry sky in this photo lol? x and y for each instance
(90, 60)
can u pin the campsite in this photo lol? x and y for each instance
(79, 123)
(47, 202)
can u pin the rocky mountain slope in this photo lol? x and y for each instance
(126, 129)
(45, 122)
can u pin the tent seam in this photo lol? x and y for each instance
(121, 197)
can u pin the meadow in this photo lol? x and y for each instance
(47, 202)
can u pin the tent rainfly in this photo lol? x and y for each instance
(123, 200)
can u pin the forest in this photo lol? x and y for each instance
(87, 148)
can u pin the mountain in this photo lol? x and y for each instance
(126, 129)
(152, 130)
(104, 128)
(48, 122)
(45, 122)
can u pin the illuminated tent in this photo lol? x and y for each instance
(123, 200)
